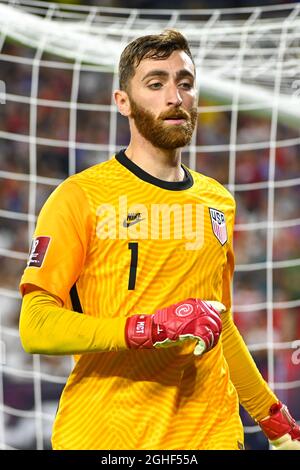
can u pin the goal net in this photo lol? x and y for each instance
(58, 67)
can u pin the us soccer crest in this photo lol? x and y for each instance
(218, 223)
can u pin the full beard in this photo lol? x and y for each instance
(160, 134)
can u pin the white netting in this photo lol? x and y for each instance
(58, 69)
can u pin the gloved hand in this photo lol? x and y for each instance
(170, 326)
(281, 429)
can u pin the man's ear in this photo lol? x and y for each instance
(122, 101)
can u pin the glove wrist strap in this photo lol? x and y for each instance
(278, 423)
(138, 332)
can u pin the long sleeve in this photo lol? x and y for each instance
(254, 393)
(48, 328)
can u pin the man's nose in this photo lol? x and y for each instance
(173, 96)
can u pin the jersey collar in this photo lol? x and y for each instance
(186, 183)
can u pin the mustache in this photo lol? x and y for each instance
(178, 113)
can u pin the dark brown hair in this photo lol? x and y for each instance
(158, 46)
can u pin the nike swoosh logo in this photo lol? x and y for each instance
(132, 222)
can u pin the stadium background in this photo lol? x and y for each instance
(20, 398)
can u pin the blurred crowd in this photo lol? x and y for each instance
(180, 4)
(47, 155)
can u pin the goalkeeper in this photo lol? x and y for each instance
(130, 270)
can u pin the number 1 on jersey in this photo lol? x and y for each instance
(133, 265)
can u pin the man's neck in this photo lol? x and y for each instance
(163, 164)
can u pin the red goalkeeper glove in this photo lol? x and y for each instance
(281, 429)
(193, 318)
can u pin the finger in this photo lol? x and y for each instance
(217, 305)
(200, 347)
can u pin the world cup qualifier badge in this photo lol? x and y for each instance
(38, 250)
(218, 223)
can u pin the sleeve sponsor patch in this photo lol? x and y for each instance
(38, 251)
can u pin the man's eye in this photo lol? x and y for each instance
(155, 86)
(185, 85)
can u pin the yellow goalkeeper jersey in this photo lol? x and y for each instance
(115, 241)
